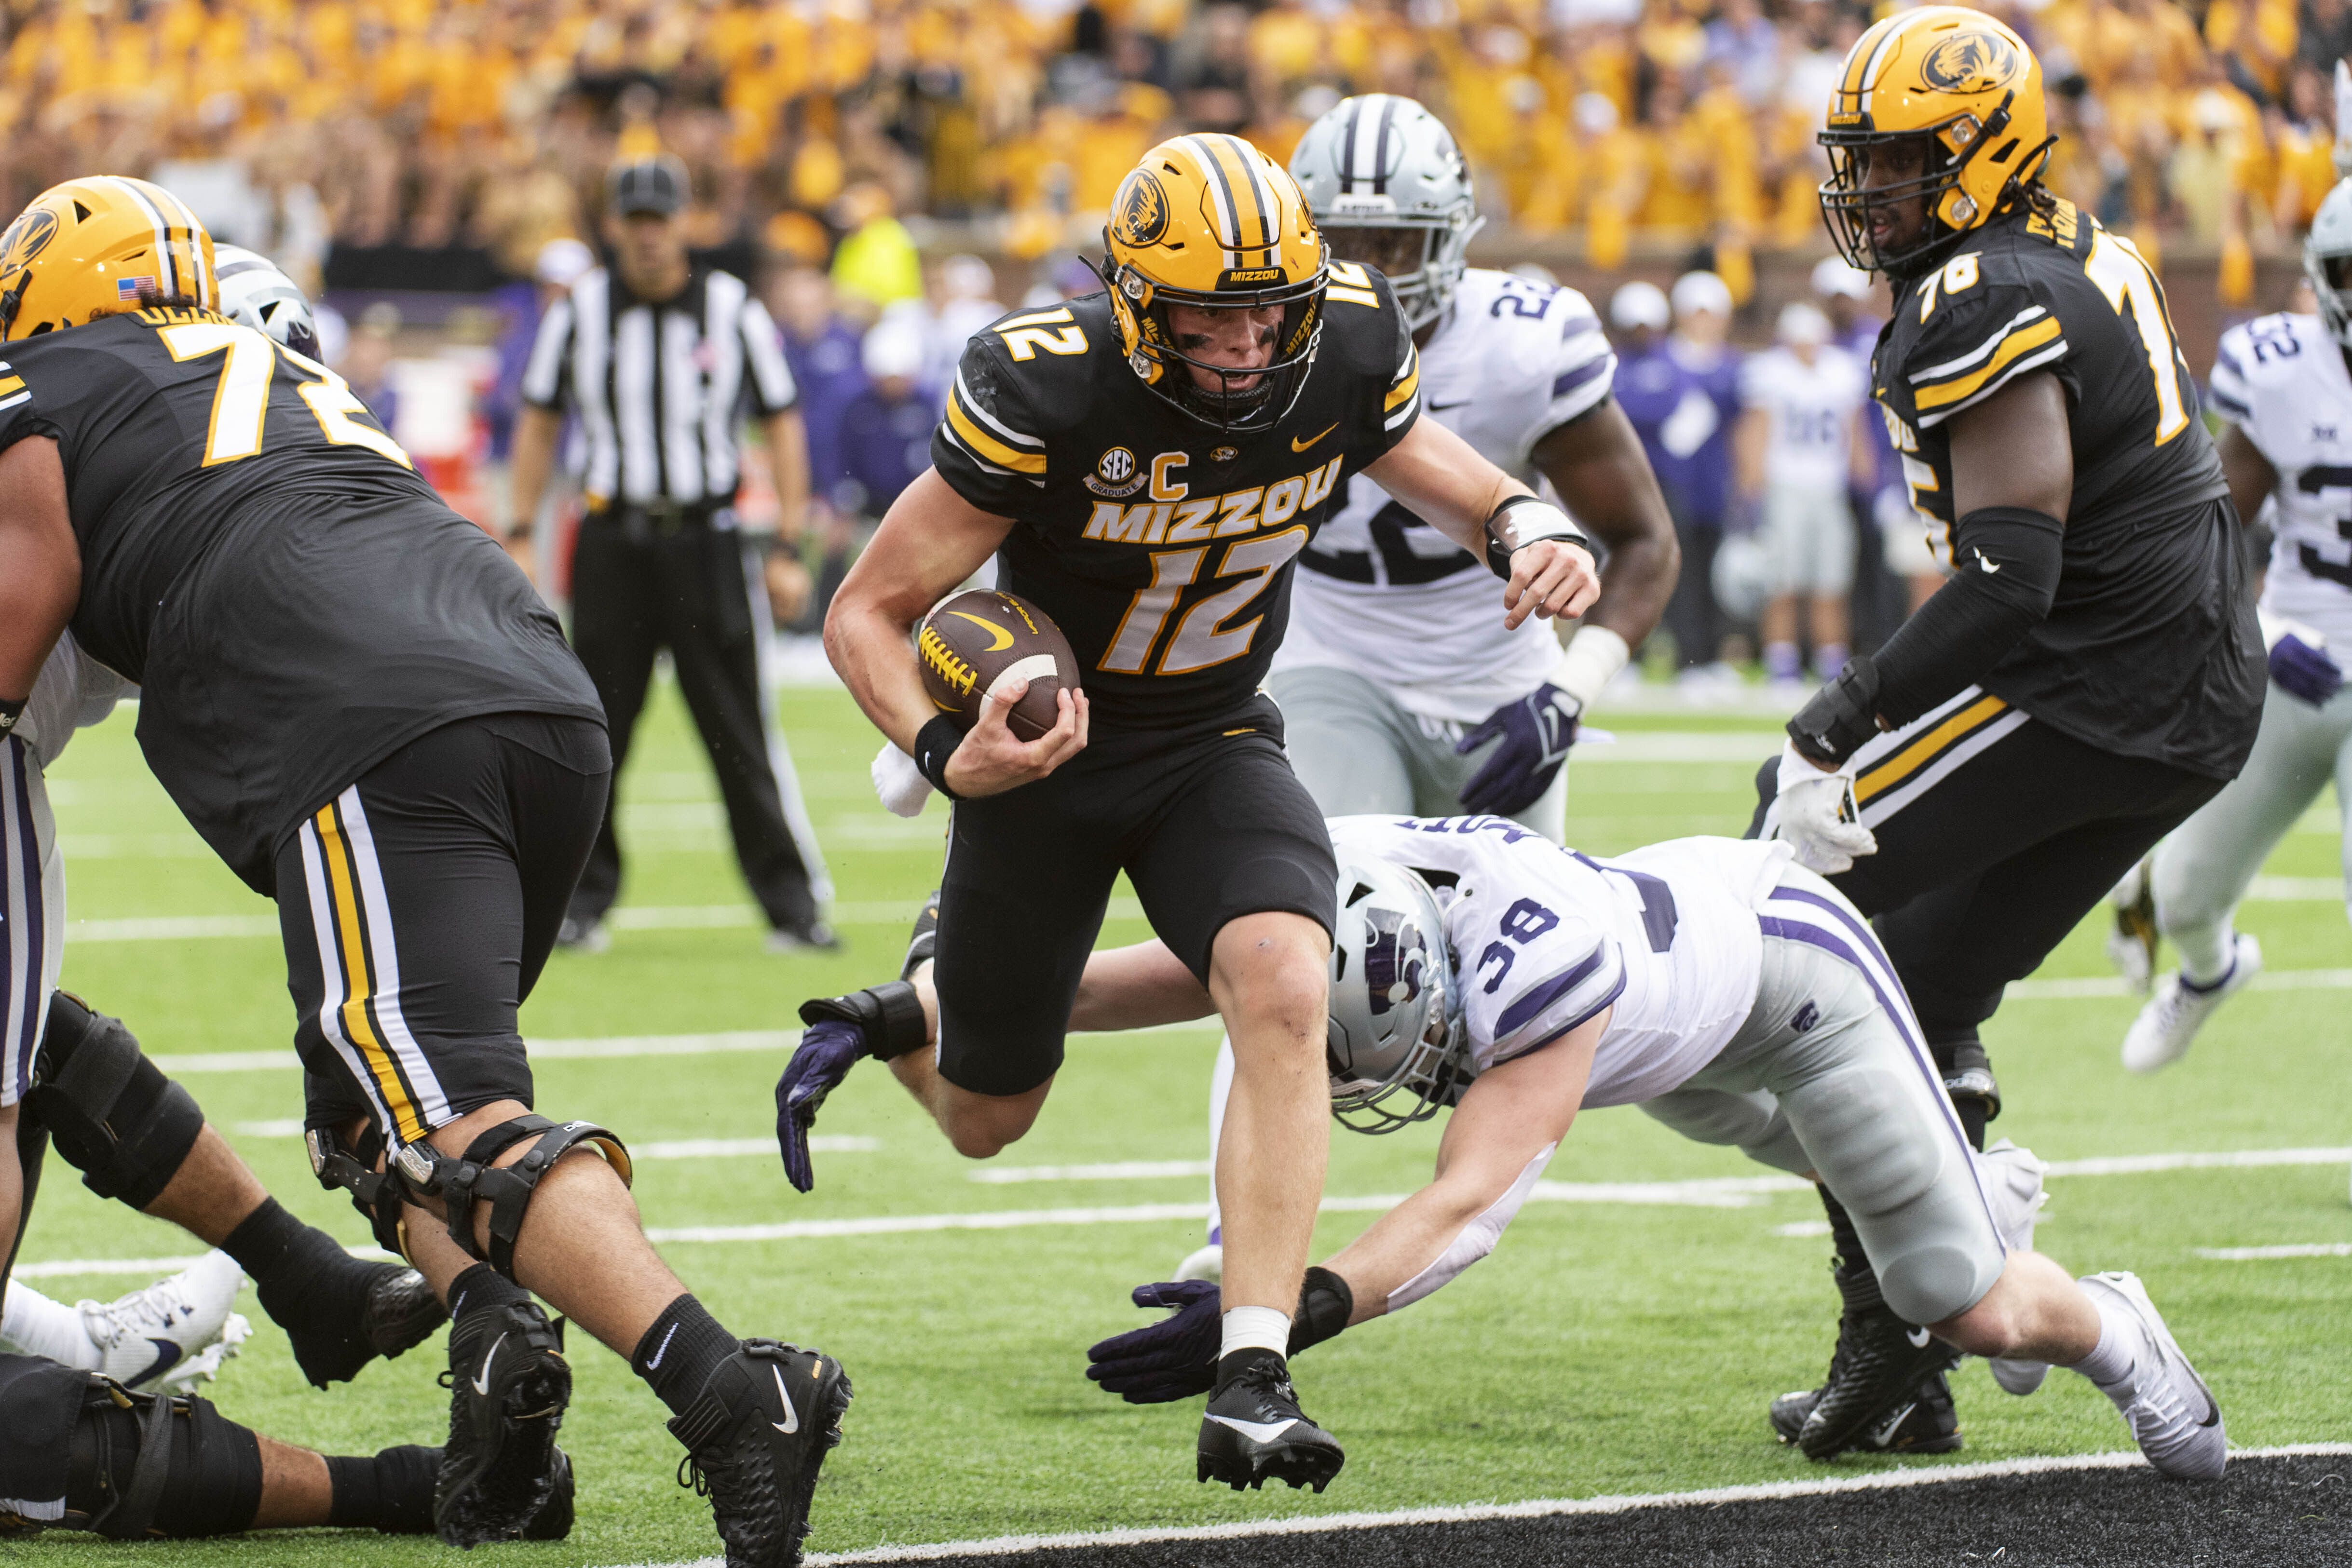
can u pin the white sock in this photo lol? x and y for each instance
(2207, 953)
(1255, 1328)
(32, 1324)
(2111, 1360)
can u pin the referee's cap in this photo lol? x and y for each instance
(655, 185)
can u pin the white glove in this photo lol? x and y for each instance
(1817, 816)
(900, 783)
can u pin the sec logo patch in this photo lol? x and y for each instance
(1116, 474)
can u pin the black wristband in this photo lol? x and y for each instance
(1498, 555)
(934, 744)
(10, 712)
(1325, 1305)
(1841, 717)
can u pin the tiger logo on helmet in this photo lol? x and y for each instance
(95, 247)
(1965, 90)
(1207, 221)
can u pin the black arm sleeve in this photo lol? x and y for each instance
(2008, 562)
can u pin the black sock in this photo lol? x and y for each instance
(679, 1353)
(1971, 1113)
(391, 1492)
(482, 1286)
(1857, 1284)
(309, 1287)
(1244, 1360)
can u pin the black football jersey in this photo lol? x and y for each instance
(261, 558)
(1163, 548)
(2149, 649)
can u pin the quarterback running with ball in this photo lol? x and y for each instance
(1147, 465)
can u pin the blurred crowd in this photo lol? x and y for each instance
(813, 126)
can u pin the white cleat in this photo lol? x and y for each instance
(1208, 1263)
(2013, 1182)
(174, 1332)
(2167, 1025)
(2170, 1411)
(2132, 941)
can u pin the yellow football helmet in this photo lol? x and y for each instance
(97, 246)
(1968, 92)
(1211, 221)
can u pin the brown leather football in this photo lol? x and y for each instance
(980, 641)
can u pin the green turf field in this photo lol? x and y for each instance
(1607, 1347)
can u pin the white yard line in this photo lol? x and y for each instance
(2264, 1254)
(659, 1149)
(1119, 1170)
(591, 1049)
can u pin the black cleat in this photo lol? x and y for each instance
(402, 1311)
(502, 1477)
(1877, 1368)
(1927, 1423)
(923, 944)
(755, 1437)
(1255, 1431)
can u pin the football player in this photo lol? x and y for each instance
(361, 704)
(2089, 675)
(1733, 996)
(1478, 716)
(1147, 465)
(2282, 386)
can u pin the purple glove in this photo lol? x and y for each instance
(828, 1049)
(1174, 1358)
(2304, 673)
(1536, 731)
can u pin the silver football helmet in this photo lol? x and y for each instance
(255, 292)
(2328, 261)
(1397, 1032)
(1389, 187)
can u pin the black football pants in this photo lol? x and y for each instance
(1995, 835)
(638, 589)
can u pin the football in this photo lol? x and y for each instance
(982, 641)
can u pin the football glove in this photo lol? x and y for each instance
(1817, 815)
(1174, 1358)
(2305, 669)
(881, 1021)
(1535, 734)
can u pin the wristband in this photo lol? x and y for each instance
(1537, 519)
(1841, 717)
(1590, 660)
(934, 744)
(10, 712)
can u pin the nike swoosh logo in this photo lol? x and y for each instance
(482, 1381)
(1003, 638)
(1298, 445)
(166, 1353)
(663, 1349)
(1884, 1433)
(1919, 1338)
(1256, 1431)
(1988, 568)
(792, 1421)
(1442, 407)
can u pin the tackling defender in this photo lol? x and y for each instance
(360, 703)
(2283, 384)
(2088, 677)
(1147, 465)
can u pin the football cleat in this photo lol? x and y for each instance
(502, 1478)
(2011, 1178)
(2171, 1412)
(1927, 1423)
(173, 1333)
(810, 936)
(1879, 1362)
(923, 943)
(401, 1313)
(755, 1437)
(1208, 1263)
(2167, 1025)
(2132, 943)
(1255, 1432)
(582, 935)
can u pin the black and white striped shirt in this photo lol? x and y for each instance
(660, 388)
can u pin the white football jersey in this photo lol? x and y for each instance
(1543, 939)
(72, 692)
(1811, 409)
(2281, 379)
(1386, 595)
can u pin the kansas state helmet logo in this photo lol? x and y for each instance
(1140, 209)
(1969, 62)
(1392, 961)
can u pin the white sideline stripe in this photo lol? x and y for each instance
(670, 1149)
(1540, 1508)
(2264, 1254)
(646, 917)
(1118, 1170)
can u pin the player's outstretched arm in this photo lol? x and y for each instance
(1597, 464)
(40, 568)
(1142, 987)
(2251, 476)
(1446, 481)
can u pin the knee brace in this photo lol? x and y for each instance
(472, 1178)
(376, 1193)
(142, 1466)
(114, 1116)
(1969, 1080)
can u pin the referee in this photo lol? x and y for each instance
(658, 359)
